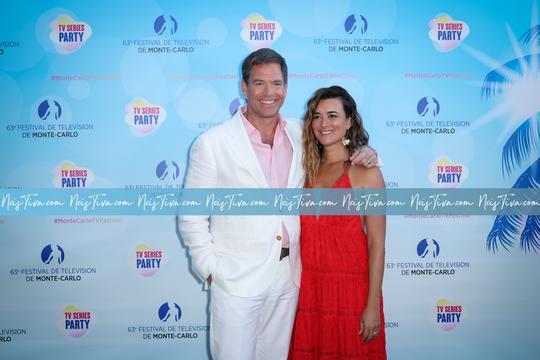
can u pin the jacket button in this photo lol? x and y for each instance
(278, 238)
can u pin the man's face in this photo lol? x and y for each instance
(265, 92)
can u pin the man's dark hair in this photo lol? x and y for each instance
(263, 56)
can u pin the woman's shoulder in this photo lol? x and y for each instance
(363, 177)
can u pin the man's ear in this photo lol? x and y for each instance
(244, 88)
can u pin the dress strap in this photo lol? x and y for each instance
(343, 180)
(346, 167)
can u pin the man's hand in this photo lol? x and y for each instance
(364, 156)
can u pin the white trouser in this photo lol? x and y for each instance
(254, 327)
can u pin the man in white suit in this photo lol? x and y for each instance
(252, 262)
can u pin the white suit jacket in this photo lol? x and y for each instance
(240, 252)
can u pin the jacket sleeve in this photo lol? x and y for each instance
(195, 230)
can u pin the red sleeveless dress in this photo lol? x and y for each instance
(334, 289)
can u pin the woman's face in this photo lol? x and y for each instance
(329, 122)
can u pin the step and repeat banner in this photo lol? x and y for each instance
(112, 95)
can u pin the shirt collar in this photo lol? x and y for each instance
(252, 130)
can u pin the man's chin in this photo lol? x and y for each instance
(269, 114)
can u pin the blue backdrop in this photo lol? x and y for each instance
(111, 95)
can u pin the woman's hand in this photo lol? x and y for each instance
(370, 323)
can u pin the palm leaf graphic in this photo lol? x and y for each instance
(530, 179)
(496, 80)
(507, 227)
(504, 230)
(521, 144)
(516, 150)
(530, 238)
(531, 35)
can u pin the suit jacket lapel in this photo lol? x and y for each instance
(243, 151)
(295, 170)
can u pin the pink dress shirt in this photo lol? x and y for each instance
(275, 160)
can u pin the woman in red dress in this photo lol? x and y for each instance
(340, 309)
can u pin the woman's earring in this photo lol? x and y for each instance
(344, 140)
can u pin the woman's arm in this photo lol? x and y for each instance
(376, 231)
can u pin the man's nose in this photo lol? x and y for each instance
(267, 89)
